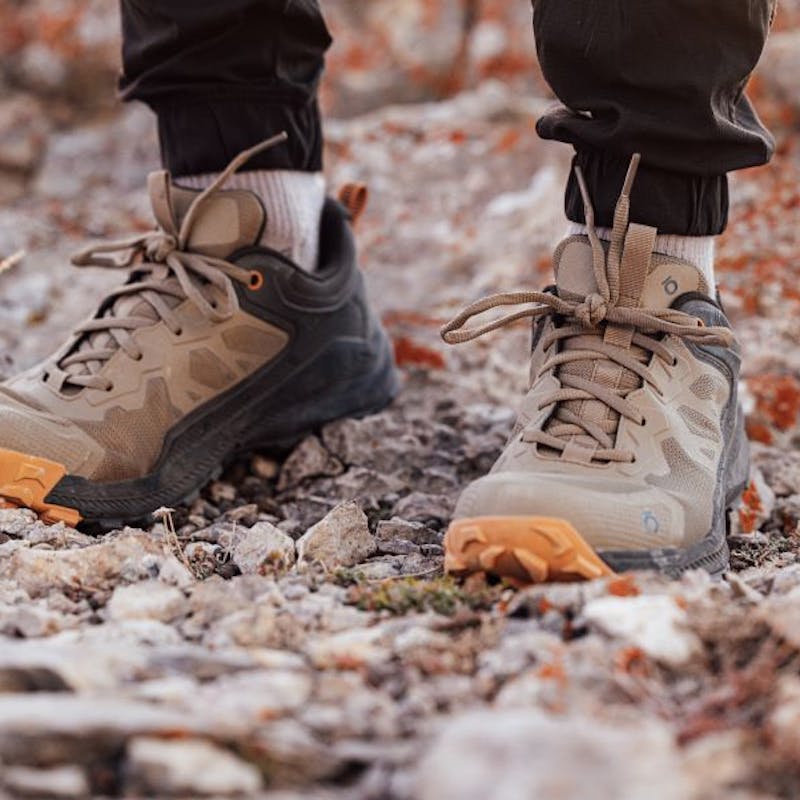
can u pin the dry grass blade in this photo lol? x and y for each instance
(11, 261)
(164, 515)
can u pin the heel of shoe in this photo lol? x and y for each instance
(350, 378)
(368, 393)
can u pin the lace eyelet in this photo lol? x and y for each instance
(179, 332)
(110, 387)
(643, 423)
(256, 280)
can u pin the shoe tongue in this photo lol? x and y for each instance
(226, 222)
(665, 279)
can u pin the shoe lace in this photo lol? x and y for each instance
(603, 326)
(166, 273)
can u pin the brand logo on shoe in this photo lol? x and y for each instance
(670, 286)
(650, 522)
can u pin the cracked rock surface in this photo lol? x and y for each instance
(290, 633)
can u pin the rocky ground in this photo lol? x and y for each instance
(291, 634)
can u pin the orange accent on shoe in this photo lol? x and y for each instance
(354, 197)
(523, 549)
(27, 480)
(256, 280)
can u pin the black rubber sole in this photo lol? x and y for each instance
(270, 412)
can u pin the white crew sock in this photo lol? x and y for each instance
(697, 250)
(293, 201)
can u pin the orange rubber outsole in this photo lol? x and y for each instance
(524, 550)
(25, 481)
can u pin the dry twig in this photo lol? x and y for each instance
(11, 261)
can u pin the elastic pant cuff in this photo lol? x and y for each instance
(675, 203)
(198, 136)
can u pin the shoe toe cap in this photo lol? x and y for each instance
(34, 433)
(607, 516)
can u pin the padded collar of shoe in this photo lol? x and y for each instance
(325, 289)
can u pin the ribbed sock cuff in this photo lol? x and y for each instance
(293, 201)
(697, 250)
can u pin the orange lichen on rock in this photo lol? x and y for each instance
(758, 432)
(553, 672)
(777, 399)
(751, 508)
(624, 586)
(408, 353)
(631, 660)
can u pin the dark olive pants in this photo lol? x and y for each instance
(664, 78)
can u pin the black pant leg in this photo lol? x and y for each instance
(664, 78)
(222, 75)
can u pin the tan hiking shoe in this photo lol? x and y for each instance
(630, 444)
(214, 347)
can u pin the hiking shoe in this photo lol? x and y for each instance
(214, 347)
(630, 446)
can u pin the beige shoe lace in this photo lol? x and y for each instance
(587, 322)
(166, 273)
